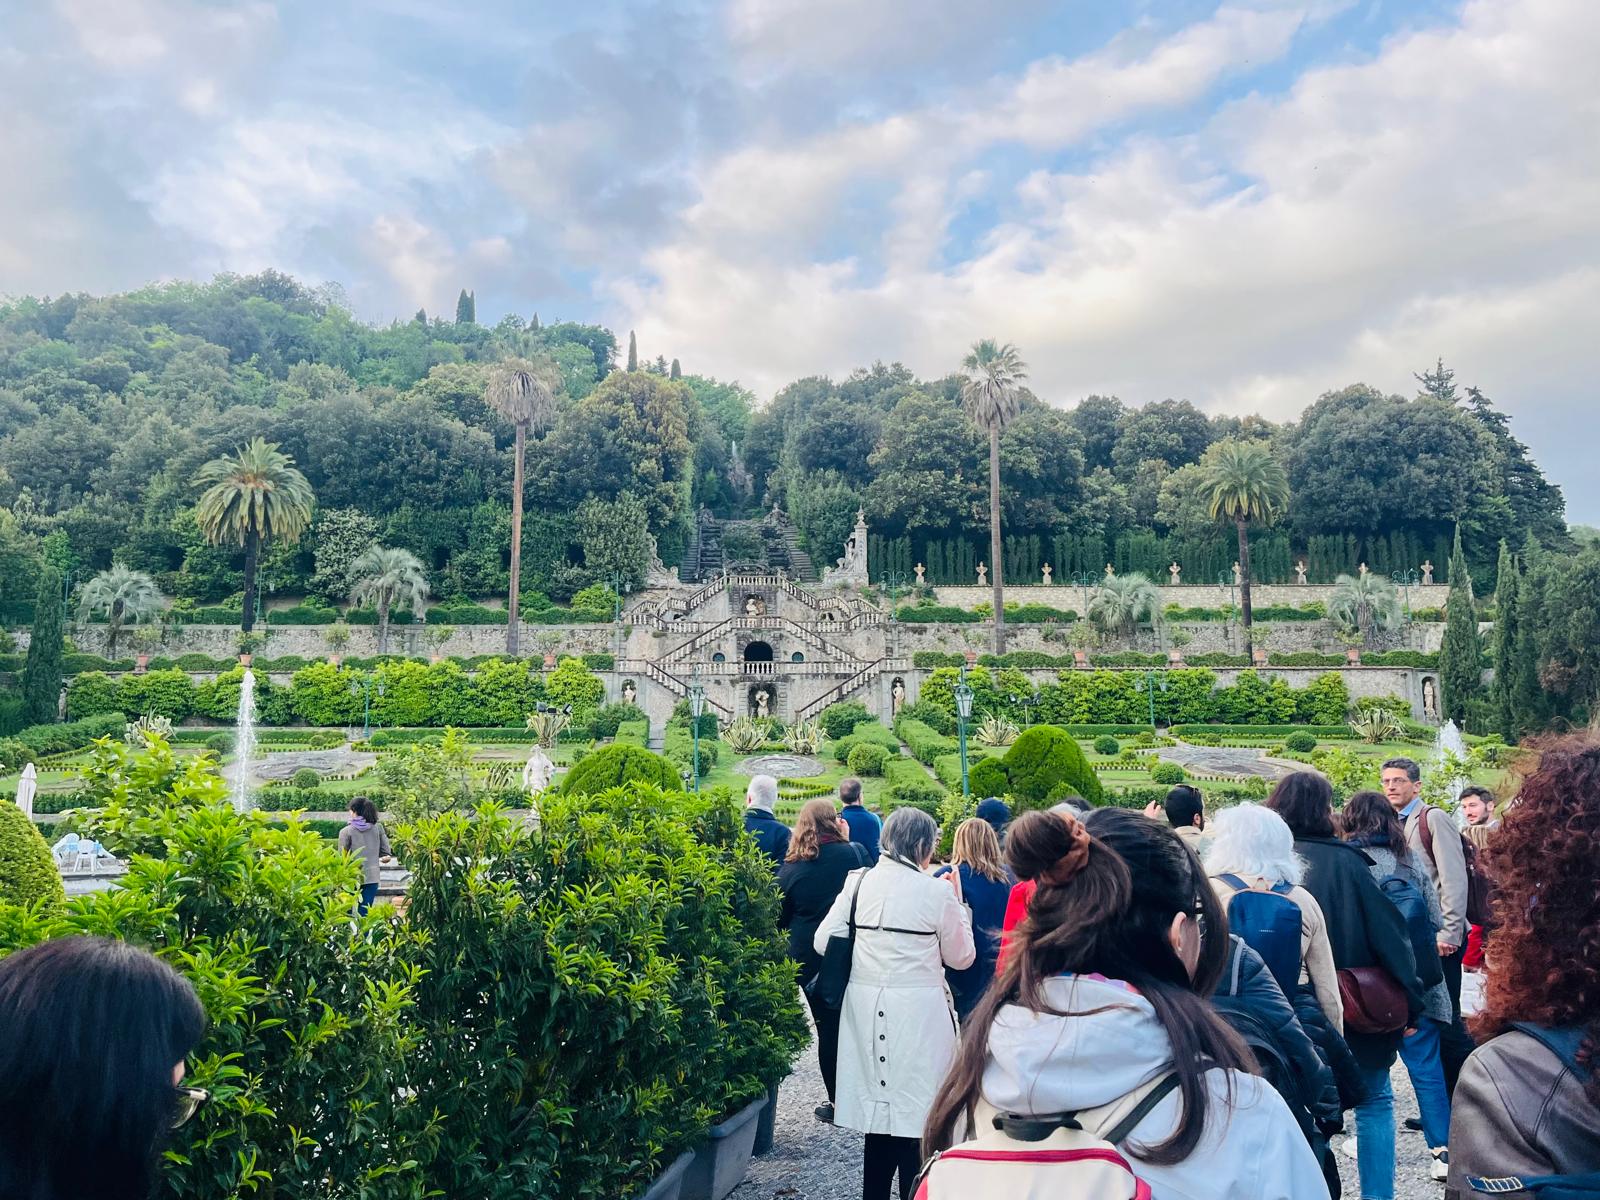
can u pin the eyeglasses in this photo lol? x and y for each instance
(187, 1102)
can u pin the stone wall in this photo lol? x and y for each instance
(1206, 637)
(1064, 595)
(308, 641)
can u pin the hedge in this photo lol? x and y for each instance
(37, 741)
(303, 614)
(1042, 758)
(466, 614)
(987, 777)
(615, 766)
(840, 719)
(925, 742)
(935, 614)
(1321, 732)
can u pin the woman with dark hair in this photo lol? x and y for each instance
(819, 860)
(1100, 999)
(1370, 823)
(93, 1034)
(365, 838)
(1528, 1101)
(1366, 931)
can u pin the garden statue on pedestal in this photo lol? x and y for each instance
(851, 569)
(1427, 573)
(629, 692)
(1177, 574)
(1430, 700)
(921, 571)
(1300, 572)
(1110, 572)
(538, 772)
(762, 699)
(1046, 574)
(1236, 572)
(658, 574)
(1362, 571)
(897, 697)
(983, 575)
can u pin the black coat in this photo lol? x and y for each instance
(771, 834)
(809, 886)
(1364, 929)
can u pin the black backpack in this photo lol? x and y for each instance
(1413, 906)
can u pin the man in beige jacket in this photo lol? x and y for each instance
(1446, 866)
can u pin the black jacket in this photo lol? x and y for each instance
(1364, 929)
(809, 887)
(1247, 985)
(771, 834)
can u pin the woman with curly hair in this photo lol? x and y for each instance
(1528, 1102)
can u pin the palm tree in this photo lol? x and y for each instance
(389, 578)
(253, 497)
(992, 392)
(1242, 482)
(1366, 603)
(523, 391)
(1122, 601)
(122, 595)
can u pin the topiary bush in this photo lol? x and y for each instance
(28, 873)
(930, 715)
(867, 758)
(220, 743)
(1168, 773)
(608, 717)
(1106, 744)
(840, 720)
(917, 793)
(1043, 757)
(1300, 742)
(987, 777)
(615, 765)
(307, 777)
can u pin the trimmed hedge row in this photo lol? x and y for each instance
(37, 741)
(925, 742)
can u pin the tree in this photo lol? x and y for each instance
(1438, 383)
(388, 578)
(1460, 656)
(1122, 601)
(992, 392)
(1364, 603)
(1507, 619)
(1244, 483)
(615, 536)
(1097, 418)
(41, 671)
(253, 498)
(466, 308)
(633, 352)
(121, 595)
(676, 372)
(523, 392)
(341, 536)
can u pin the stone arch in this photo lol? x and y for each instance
(758, 652)
(797, 656)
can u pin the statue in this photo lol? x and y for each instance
(1427, 573)
(657, 574)
(1430, 700)
(1110, 574)
(1362, 571)
(1047, 575)
(538, 772)
(983, 575)
(762, 699)
(754, 606)
(629, 692)
(1177, 574)
(851, 568)
(1300, 572)
(921, 571)
(1237, 573)
(897, 697)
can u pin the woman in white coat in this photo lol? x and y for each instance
(897, 1027)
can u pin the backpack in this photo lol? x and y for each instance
(1478, 884)
(1413, 905)
(1563, 1043)
(1063, 1156)
(1269, 923)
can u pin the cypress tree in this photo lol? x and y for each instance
(677, 371)
(633, 352)
(1528, 698)
(466, 308)
(1506, 621)
(422, 316)
(1460, 669)
(41, 673)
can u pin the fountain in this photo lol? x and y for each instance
(244, 741)
(1450, 750)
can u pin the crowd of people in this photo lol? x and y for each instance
(1173, 1004)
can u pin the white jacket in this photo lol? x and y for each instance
(897, 1027)
(1040, 1063)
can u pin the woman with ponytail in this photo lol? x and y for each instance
(1100, 996)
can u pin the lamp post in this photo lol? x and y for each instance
(1148, 685)
(619, 587)
(697, 705)
(1406, 580)
(364, 687)
(963, 715)
(1027, 703)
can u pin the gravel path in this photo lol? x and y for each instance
(813, 1161)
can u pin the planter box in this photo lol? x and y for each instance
(764, 1125)
(669, 1184)
(721, 1161)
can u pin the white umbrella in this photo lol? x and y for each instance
(26, 787)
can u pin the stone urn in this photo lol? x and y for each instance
(1352, 655)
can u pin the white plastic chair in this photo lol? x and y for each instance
(88, 856)
(65, 850)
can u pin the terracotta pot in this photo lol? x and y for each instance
(143, 663)
(1174, 658)
(335, 659)
(1080, 659)
(1353, 656)
(549, 661)
(1258, 656)
(244, 659)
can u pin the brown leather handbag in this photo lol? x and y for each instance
(1373, 1002)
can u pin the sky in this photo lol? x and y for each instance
(1243, 204)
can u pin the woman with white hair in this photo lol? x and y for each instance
(1252, 849)
(897, 1026)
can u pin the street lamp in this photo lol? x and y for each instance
(1148, 685)
(963, 715)
(363, 686)
(1027, 703)
(1406, 580)
(697, 705)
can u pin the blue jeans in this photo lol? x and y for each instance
(369, 893)
(1422, 1058)
(1375, 1136)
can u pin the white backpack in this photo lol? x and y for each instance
(1064, 1156)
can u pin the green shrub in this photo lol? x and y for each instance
(1168, 773)
(37, 741)
(1300, 742)
(607, 718)
(633, 733)
(615, 765)
(840, 720)
(303, 614)
(28, 873)
(930, 715)
(935, 614)
(926, 744)
(220, 743)
(89, 694)
(307, 777)
(575, 684)
(164, 693)
(867, 758)
(465, 614)
(987, 777)
(1043, 757)
(600, 660)
(917, 793)
(1106, 744)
